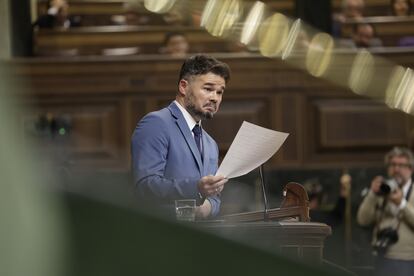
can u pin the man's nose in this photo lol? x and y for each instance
(214, 96)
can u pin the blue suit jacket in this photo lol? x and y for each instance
(165, 159)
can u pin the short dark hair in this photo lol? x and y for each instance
(202, 64)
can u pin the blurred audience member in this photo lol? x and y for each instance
(57, 16)
(351, 9)
(363, 36)
(315, 193)
(401, 7)
(317, 197)
(175, 44)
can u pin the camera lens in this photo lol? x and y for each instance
(387, 186)
(385, 189)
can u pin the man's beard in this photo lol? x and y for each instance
(198, 113)
(192, 109)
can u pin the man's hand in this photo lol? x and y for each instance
(211, 185)
(376, 183)
(396, 196)
(203, 210)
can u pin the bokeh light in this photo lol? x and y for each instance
(273, 34)
(361, 72)
(400, 91)
(218, 17)
(292, 38)
(252, 22)
(159, 6)
(319, 54)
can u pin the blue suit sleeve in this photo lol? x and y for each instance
(215, 205)
(149, 147)
(215, 201)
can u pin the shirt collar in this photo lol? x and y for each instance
(406, 187)
(187, 116)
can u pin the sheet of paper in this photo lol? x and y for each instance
(252, 146)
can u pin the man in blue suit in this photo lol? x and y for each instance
(172, 156)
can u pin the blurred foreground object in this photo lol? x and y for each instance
(31, 232)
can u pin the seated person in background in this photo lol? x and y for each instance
(175, 45)
(57, 16)
(401, 7)
(351, 9)
(363, 36)
(315, 193)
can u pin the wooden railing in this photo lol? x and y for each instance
(99, 8)
(389, 28)
(93, 40)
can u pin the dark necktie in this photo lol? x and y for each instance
(197, 138)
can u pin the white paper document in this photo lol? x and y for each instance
(252, 146)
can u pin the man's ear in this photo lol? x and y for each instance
(182, 87)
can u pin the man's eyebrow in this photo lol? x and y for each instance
(213, 84)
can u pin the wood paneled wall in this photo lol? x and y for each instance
(101, 99)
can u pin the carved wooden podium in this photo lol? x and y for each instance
(294, 204)
(273, 230)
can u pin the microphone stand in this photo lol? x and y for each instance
(266, 208)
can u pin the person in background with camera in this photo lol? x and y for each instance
(389, 205)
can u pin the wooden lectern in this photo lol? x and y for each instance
(273, 230)
(294, 204)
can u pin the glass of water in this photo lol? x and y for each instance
(185, 209)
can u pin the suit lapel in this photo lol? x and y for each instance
(206, 154)
(185, 131)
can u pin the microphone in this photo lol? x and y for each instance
(266, 208)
